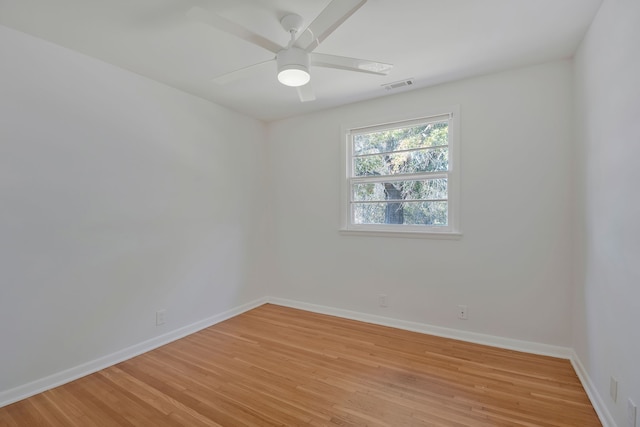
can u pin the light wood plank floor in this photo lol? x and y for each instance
(280, 366)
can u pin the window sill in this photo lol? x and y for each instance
(405, 234)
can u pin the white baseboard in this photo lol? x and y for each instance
(596, 400)
(474, 337)
(22, 392)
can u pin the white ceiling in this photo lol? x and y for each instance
(432, 41)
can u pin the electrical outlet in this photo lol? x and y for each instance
(160, 317)
(631, 413)
(613, 389)
(462, 312)
(382, 300)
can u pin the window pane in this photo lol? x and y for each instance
(402, 213)
(429, 160)
(426, 135)
(404, 190)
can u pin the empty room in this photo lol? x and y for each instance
(319, 212)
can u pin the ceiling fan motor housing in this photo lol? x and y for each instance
(293, 66)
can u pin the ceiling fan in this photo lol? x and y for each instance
(295, 59)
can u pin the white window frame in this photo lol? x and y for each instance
(452, 230)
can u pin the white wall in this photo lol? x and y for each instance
(118, 197)
(511, 267)
(607, 294)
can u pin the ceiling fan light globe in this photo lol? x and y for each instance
(293, 67)
(294, 76)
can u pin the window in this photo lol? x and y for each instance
(402, 176)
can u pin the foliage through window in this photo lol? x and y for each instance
(399, 176)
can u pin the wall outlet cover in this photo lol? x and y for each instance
(382, 300)
(462, 312)
(613, 388)
(160, 317)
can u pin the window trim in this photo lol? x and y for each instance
(452, 230)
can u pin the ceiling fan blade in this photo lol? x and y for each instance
(206, 17)
(240, 74)
(329, 19)
(306, 93)
(351, 64)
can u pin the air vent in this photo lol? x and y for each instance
(398, 85)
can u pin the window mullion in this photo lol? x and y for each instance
(408, 150)
(374, 179)
(397, 201)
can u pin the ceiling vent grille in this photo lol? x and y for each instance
(398, 85)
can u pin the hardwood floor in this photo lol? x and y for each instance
(280, 366)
